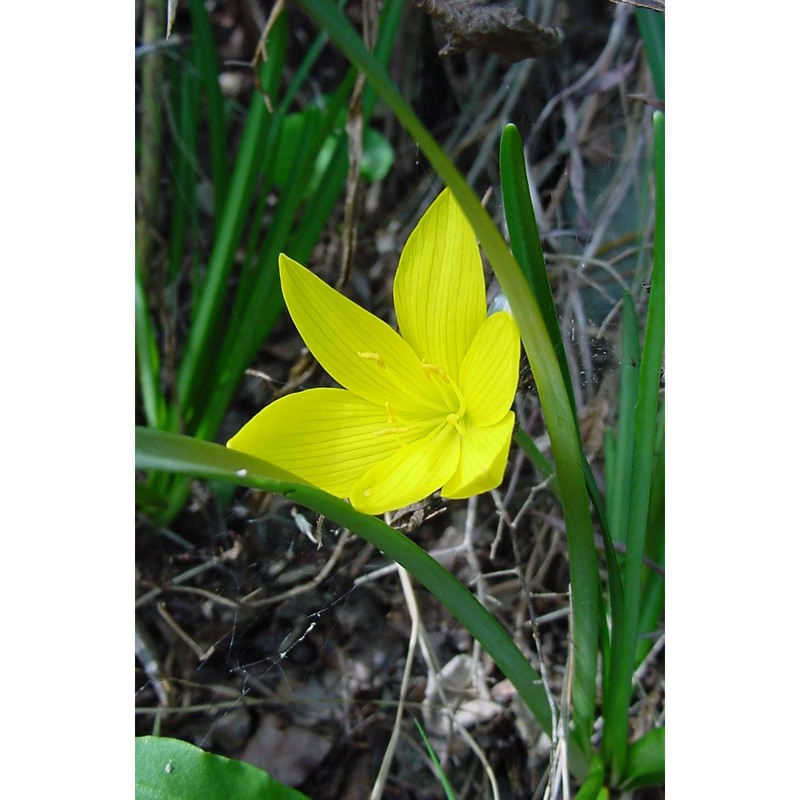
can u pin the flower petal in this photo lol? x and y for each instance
(410, 474)
(329, 437)
(490, 372)
(484, 453)
(439, 291)
(336, 330)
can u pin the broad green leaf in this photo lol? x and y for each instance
(169, 769)
(646, 761)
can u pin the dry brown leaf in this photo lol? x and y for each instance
(495, 27)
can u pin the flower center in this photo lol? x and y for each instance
(454, 400)
(455, 421)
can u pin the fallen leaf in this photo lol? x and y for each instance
(494, 27)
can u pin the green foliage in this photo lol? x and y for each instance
(645, 765)
(652, 28)
(637, 491)
(377, 157)
(187, 379)
(170, 769)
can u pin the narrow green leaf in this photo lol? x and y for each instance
(147, 360)
(653, 582)
(652, 27)
(157, 450)
(208, 66)
(535, 455)
(615, 706)
(620, 467)
(524, 235)
(170, 769)
(527, 249)
(185, 159)
(440, 773)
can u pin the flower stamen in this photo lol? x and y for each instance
(373, 357)
(396, 430)
(435, 369)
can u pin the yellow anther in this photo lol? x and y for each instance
(398, 429)
(372, 357)
(434, 369)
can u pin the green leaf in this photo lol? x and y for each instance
(147, 360)
(651, 27)
(623, 653)
(378, 156)
(440, 773)
(169, 769)
(524, 235)
(620, 484)
(646, 761)
(157, 450)
(592, 786)
(209, 68)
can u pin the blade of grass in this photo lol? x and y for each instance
(564, 437)
(524, 235)
(620, 467)
(527, 249)
(185, 159)
(208, 66)
(535, 455)
(159, 450)
(147, 360)
(440, 773)
(206, 325)
(149, 139)
(615, 706)
(651, 28)
(653, 582)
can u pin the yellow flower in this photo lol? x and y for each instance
(421, 410)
